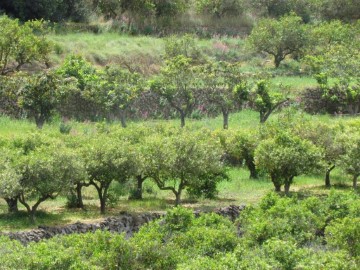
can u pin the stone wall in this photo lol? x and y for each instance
(125, 223)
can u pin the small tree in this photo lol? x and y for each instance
(264, 101)
(279, 38)
(323, 136)
(176, 84)
(78, 102)
(185, 160)
(225, 87)
(115, 90)
(45, 172)
(40, 96)
(284, 157)
(106, 161)
(21, 44)
(242, 145)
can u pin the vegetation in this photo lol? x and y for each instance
(269, 90)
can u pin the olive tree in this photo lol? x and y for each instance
(224, 86)
(265, 101)
(106, 160)
(324, 136)
(176, 85)
(185, 160)
(242, 145)
(45, 173)
(115, 90)
(279, 38)
(41, 94)
(22, 44)
(286, 156)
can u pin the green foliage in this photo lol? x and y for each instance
(179, 219)
(265, 101)
(344, 234)
(45, 172)
(41, 94)
(176, 85)
(345, 10)
(349, 161)
(286, 156)
(106, 161)
(185, 160)
(220, 8)
(114, 90)
(56, 10)
(279, 8)
(185, 45)
(225, 87)
(22, 44)
(279, 38)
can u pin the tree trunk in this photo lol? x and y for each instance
(138, 193)
(79, 199)
(355, 182)
(12, 205)
(277, 187)
(122, 119)
(40, 121)
(182, 117)
(327, 176)
(225, 119)
(277, 60)
(287, 188)
(178, 198)
(252, 168)
(102, 205)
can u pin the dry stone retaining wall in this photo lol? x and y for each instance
(125, 223)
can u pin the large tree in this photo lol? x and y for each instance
(185, 160)
(176, 84)
(45, 172)
(41, 94)
(224, 86)
(286, 156)
(106, 160)
(114, 90)
(279, 38)
(22, 44)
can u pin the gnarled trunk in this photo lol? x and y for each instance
(79, 199)
(12, 204)
(252, 168)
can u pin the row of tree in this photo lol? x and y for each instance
(38, 167)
